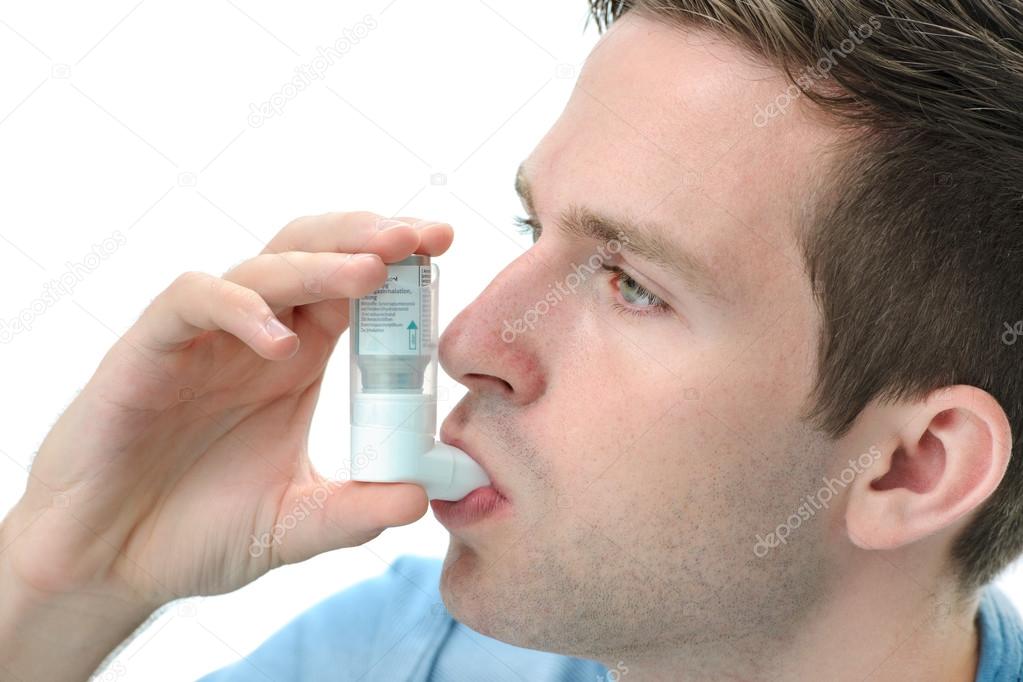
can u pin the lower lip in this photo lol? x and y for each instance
(480, 504)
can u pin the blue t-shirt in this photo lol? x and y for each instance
(395, 628)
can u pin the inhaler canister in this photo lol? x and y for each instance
(394, 387)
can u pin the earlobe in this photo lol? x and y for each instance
(942, 457)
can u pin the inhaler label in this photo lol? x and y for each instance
(395, 319)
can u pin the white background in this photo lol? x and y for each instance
(137, 117)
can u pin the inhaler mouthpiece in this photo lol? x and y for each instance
(394, 388)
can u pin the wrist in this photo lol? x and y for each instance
(59, 636)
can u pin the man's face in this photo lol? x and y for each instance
(643, 446)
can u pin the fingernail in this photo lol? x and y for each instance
(421, 224)
(276, 329)
(389, 224)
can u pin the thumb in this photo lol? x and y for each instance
(345, 514)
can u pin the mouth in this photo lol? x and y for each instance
(461, 445)
(482, 503)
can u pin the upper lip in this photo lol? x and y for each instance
(450, 439)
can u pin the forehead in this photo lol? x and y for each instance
(662, 126)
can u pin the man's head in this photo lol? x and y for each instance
(760, 337)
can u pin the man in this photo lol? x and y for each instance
(748, 401)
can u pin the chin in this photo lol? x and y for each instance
(486, 595)
(465, 587)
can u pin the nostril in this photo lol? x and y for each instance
(483, 382)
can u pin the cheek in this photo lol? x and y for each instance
(645, 412)
(618, 449)
(639, 437)
(761, 385)
(614, 414)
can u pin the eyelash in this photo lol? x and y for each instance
(529, 226)
(658, 307)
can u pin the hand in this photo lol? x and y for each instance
(186, 450)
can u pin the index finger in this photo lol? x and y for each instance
(434, 237)
(363, 232)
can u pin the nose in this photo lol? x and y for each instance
(477, 349)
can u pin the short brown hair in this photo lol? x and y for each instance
(915, 247)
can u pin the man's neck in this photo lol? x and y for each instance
(883, 627)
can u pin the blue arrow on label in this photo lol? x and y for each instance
(411, 335)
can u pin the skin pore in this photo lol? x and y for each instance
(646, 432)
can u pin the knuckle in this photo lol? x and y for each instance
(190, 279)
(293, 267)
(296, 223)
(186, 286)
(366, 222)
(351, 221)
(241, 298)
(360, 218)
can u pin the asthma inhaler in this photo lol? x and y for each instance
(394, 387)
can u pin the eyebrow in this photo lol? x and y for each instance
(644, 240)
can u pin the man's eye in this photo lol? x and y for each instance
(638, 300)
(527, 226)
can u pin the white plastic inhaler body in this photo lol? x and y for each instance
(394, 387)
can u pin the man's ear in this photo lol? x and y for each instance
(940, 459)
